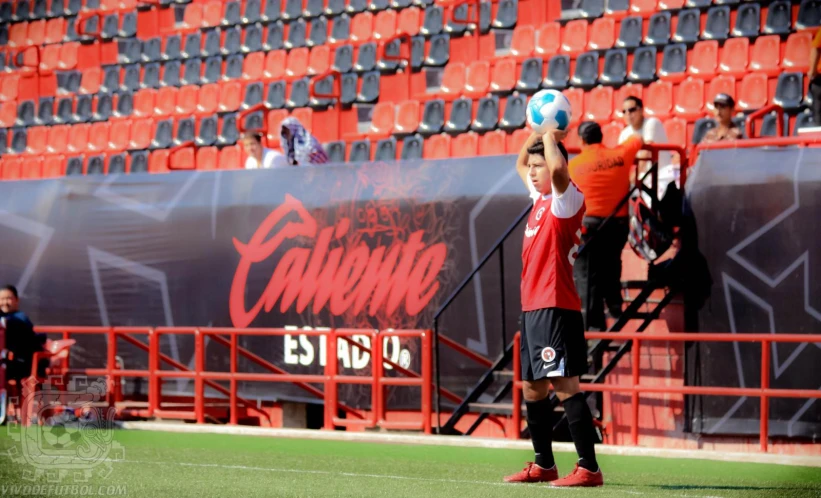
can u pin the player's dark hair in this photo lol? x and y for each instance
(11, 289)
(639, 103)
(590, 133)
(537, 149)
(255, 135)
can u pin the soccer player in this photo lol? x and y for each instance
(553, 350)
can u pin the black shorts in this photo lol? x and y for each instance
(553, 344)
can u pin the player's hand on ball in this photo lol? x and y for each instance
(554, 136)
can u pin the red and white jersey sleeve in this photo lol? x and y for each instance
(551, 241)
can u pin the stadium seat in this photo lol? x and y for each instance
(433, 118)
(598, 104)
(779, 18)
(433, 21)
(385, 150)
(587, 70)
(753, 92)
(602, 34)
(644, 65)
(384, 25)
(299, 94)
(252, 39)
(409, 22)
(592, 8)
(45, 111)
(748, 20)
(83, 108)
(507, 14)
(769, 125)
(701, 127)
(453, 81)
(313, 8)
(206, 131)
(318, 32)
(688, 29)
(103, 105)
(252, 12)
(548, 39)
(297, 63)
(797, 52)
(514, 115)
(54, 166)
(574, 39)
(163, 134)
(383, 118)
(37, 136)
(704, 60)
(271, 10)
(232, 13)
(274, 36)
(361, 28)
(343, 59)
(502, 80)
(228, 134)
(459, 13)
(350, 82)
(576, 98)
(253, 95)
(766, 55)
(670, 4)
(131, 78)
(809, 15)
(365, 58)
(558, 73)
(229, 158)
(492, 144)
(465, 145)
(193, 45)
(643, 7)
(171, 73)
(487, 115)
(184, 130)
(360, 151)
(75, 166)
(407, 118)
(689, 102)
(461, 114)
(676, 130)
(720, 84)
(717, 26)
(523, 42)
(437, 147)
(803, 120)
(658, 30)
(25, 113)
(297, 34)
(151, 75)
(412, 147)
(439, 52)
(674, 63)
(129, 51)
(658, 99)
(65, 110)
(292, 9)
(209, 99)
(152, 49)
(530, 78)
(789, 92)
(734, 57)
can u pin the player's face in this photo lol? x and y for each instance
(8, 303)
(539, 173)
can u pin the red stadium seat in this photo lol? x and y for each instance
(572, 141)
(690, 99)
(166, 102)
(765, 56)
(187, 99)
(676, 130)
(670, 4)
(504, 76)
(158, 161)
(658, 99)
(98, 134)
(275, 118)
(192, 17)
(91, 79)
(78, 138)
(68, 55)
(207, 158)
(297, 65)
(437, 147)
(253, 66)
(49, 58)
(10, 168)
(797, 51)
(212, 14)
(410, 20)
(453, 81)
(493, 143)
(602, 34)
(142, 131)
(477, 79)
(523, 42)
(275, 62)
(384, 25)
(9, 86)
(753, 92)
(611, 132)
(18, 35)
(644, 8)
(576, 98)
(382, 120)
(230, 96)
(37, 32)
(703, 59)
(735, 57)
(319, 61)
(53, 166)
(574, 38)
(229, 157)
(548, 39)
(465, 145)
(209, 99)
(598, 104)
(361, 28)
(720, 84)
(8, 114)
(32, 168)
(144, 103)
(55, 30)
(57, 139)
(407, 117)
(36, 139)
(120, 134)
(517, 140)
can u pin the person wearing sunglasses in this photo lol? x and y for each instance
(725, 128)
(650, 130)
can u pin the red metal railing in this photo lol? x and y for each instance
(330, 378)
(764, 392)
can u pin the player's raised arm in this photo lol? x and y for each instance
(521, 163)
(556, 163)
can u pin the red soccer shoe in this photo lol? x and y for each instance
(580, 477)
(534, 473)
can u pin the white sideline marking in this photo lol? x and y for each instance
(471, 442)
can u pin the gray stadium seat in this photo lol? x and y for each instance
(385, 150)
(748, 20)
(275, 98)
(514, 116)
(487, 115)
(412, 146)
(658, 30)
(530, 79)
(433, 118)
(615, 67)
(779, 18)
(809, 14)
(558, 73)
(644, 65)
(461, 113)
(630, 32)
(718, 23)
(587, 70)
(789, 92)
(360, 151)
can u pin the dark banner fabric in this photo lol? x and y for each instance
(371, 246)
(757, 213)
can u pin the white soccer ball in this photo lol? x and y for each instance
(548, 110)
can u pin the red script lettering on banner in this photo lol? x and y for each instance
(382, 276)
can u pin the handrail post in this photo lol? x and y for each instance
(153, 364)
(330, 380)
(112, 364)
(233, 388)
(634, 429)
(427, 367)
(376, 381)
(516, 417)
(765, 401)
(199, 385)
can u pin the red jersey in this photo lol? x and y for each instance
(551, 242)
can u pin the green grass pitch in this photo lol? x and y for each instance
(205, 465)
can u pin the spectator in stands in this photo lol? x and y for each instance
(651, 130)
(603, 174)
(725, 128)
(259, 156)
(300, 147)
(814, 77)
(21, 340)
